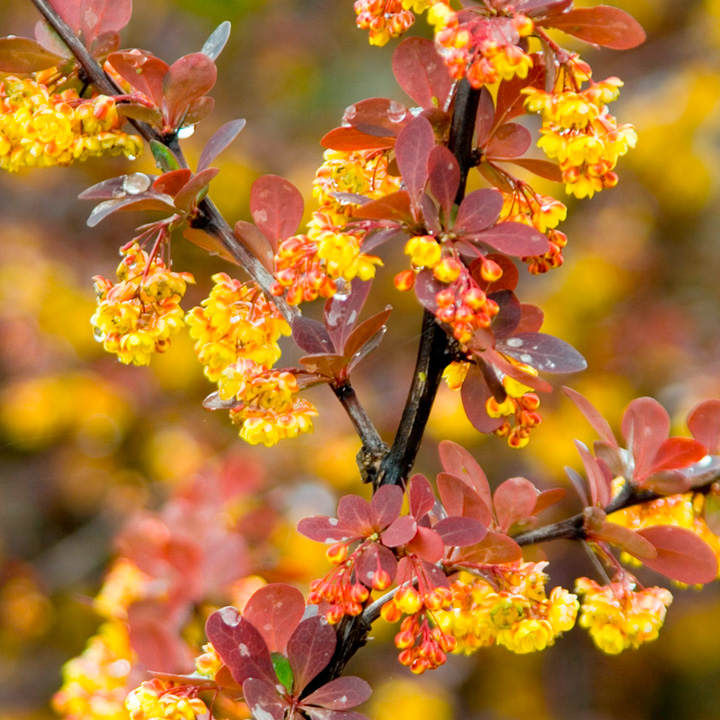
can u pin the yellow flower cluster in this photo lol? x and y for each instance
(579, 132)
(470, 51)
(235, 321)
(385, 19)
(308, 265)
(236, 332)
(137, 316)
(684, 510)
(619, 617)
(40, 128)
(155, 700)
(94, 682)
(544, 213)
(510, 608)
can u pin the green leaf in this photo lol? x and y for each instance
(283, 670)
(164, 157)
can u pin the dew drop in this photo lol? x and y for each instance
(349, 114)
(186, 132)
(396, 112)
(514, 342)
(135, 183)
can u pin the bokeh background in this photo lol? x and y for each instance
(86, 442)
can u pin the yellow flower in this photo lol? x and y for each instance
(137, 316)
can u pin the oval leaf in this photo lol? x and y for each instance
(217, 40)
(412, 151)
(309, 650)
(478, 211)
(340, 693)
(219, 141)
(187, 79)
(275, 611)
(602, 25)
(515, 239)
(444, 174)
(460, 531)
(543, 352)
(681, 555)
(421, 72)
(704, 424)
(514, 500)
(23, 55)
(276, 206)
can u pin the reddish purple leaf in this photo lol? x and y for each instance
(372, 557)
(510, 96)
(342, 311)
(255, 241)
(543, 352)
(364, 332)
(421, 72)
(459, 462)
(263, 700)
(681, 555)
(579, 485)
(93, 17)
(514, 500)
(645, 425)
(667, 482)
(412, 151)
(275, 611)
(460, 531)
(318, 713)
(276, 206)
(143, 71)
(509, 313)
(354, 512)
(323, 529)
(221, 139)
(386, 504)
(458, 498)
(141, 201)
(625, 539)
(444, 177)
(484, 117)
(704, 424)
(599, 484)
(311, 336)
(401, 532)
(478, 211)
(531, 318)
(23, 55)
(348, 139)
(496, 548)
(240, 646)
(395, 206)
(187, 79)
(592, 415)
(195, 189)
(601, 25)
(198, 110)
(515, 239)
(543, 168)
(170, 182)
(676, 453)
(340, 693)
(509, 141)
(309, 650)
(116, 187)
(427, 544)
(380, 117)
(475, 394)
(421, 496)
(548, 498)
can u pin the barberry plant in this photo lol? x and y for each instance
(445, 560)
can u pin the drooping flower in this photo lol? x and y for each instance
(619, 617)
(40, 128)
(137, 316)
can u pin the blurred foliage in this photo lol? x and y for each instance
(85, 442)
